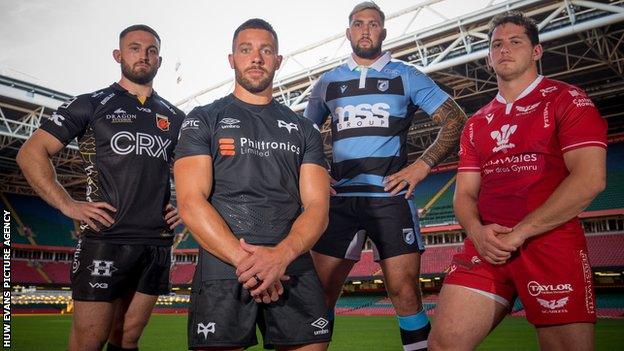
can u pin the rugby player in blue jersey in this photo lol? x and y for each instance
(371, 99)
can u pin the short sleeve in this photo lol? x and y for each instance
(579, 123)
(317, 110)
(424, 92)
(313, 151)
(468, 158)
(196, 135)
(70, 120)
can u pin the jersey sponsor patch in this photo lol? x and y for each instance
(362, 116)
(162, 122)
(124, 143)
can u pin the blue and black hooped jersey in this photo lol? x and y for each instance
(371, 110)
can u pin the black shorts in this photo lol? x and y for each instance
(390, 222)
(223, 314)
(104, 272)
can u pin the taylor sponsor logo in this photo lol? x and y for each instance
(124, 143)
(536, 289)
(99, 285)
(489, 117)
(523, 110)
(288, 126)
(502, 137)
(144, 109)
(206, 328)
(162, 122)
(546, 115)
(383, 85)
(320, 323)
(101, 268)
(362, 115)
(408, 236)
(228, 122)
(190, 123)
(548, 90)
(553, 304)
(57, 119)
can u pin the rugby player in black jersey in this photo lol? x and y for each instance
(126, 135)
(253, 190)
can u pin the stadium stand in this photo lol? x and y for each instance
(58, 272)
(430, 186)
(182, 273)
(606, 250)
(26, 272)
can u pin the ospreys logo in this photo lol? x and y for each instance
(206, 328)
(289, 126)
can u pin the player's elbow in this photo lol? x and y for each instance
(596, 186)
(23, 155)
(185, 206)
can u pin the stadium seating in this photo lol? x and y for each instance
(49, 226)
(442, 210)
(430, 186)
(182, 273)
(437, 259)
(25, 272)
(606, 250)
(366, 267)
(58, 272)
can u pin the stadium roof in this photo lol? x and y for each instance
(583, 42)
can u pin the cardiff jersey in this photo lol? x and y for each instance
(257, 153)
(371, 112)
(127, 148)
(518, 147)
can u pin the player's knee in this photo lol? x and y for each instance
(132, 331)
(441, 340)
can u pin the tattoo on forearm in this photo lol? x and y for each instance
(451, 117)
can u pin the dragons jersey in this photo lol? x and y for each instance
(127, 148)
(371, 111)
(257, 152)
(518, 147)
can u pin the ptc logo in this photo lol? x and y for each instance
(502, 137)
(102, 268)
(289, 126)
(206, 328)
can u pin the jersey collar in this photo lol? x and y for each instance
(524, 93)
(119, 88)
(378, 65)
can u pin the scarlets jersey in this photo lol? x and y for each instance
(371, 112)
(127, 148)
(518, 147)
(257, 153)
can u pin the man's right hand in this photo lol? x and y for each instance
(89, 213)
(488, 245)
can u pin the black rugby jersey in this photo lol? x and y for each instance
(127, 150)
(257, 153)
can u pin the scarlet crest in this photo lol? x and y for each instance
(162, 122)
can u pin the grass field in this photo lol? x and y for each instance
(168, 332)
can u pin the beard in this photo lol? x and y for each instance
(366, 53)
(140, 77)
(253, 86)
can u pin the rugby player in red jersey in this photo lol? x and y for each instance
(530, 161)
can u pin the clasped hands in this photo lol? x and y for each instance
(262, 271)
(496, 243)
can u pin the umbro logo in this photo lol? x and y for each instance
(228, 122)
(206, 328)
(320, 323)
(288, 126)
(502, 137)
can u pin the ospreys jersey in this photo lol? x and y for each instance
(127, 148)
(257, 153)
(371, 110)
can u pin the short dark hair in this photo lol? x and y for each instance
(255, 23)
(367, 5)
(142, 27)
(517, 18)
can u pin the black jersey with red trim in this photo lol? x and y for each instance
(127, 151)
(257, 153)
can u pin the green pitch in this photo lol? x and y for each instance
(168, 332)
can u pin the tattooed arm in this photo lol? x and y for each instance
(451, 117)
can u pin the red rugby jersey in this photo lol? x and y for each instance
(518, 147)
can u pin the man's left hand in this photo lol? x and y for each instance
(513, 238)
(409, 176)
(172, 217)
